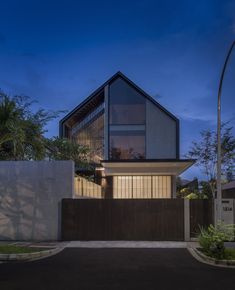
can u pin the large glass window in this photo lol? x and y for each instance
(126, 121)
(127, 106)
(88, 118)
(142, 187)
(92, 135)
(127, 145)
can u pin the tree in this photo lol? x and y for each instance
(204, 151)
(184, 188)
(65, 149)
(205, 189)
(21, 130)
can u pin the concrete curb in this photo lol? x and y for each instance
(211, 261)
(29, 256)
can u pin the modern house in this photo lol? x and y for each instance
(134, 142)
(134, 153)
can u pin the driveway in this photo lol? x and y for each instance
(115, 268)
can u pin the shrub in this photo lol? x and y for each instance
(212, 239)
(192, 196)
(195, 195)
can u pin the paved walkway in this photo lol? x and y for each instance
(128, 244)
(38, 244)
(107, 244)
(111, 244)
(230, 245)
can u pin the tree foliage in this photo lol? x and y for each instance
(205, 189)
(205, 152)
(64, 149)
(21, 129)
(196, 195)
(22, 134)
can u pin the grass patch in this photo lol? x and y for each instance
(229, 254)
(13, 249)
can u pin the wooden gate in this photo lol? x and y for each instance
(133, 219)
(123, 219)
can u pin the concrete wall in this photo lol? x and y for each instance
(30, 198)
(160, 133)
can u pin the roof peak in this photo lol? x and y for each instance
(130, 82)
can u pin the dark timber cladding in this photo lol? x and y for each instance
(201, 214)
(129, 219)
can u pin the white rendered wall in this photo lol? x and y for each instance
(30, 198)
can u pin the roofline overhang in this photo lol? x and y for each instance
(147, 167)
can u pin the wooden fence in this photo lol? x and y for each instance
(131, 219)
(201, 214)
(86, 188)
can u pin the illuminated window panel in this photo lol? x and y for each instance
(122, 187)
(92, 136)
(161, 186)
(142, 187)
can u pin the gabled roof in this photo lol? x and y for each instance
(109, 81)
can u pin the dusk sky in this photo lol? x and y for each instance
(58, 52)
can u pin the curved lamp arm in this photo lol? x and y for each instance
(219, 194)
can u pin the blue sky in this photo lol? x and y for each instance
(58, 52)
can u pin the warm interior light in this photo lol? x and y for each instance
(142, 186)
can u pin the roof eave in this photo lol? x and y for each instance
(147, 167)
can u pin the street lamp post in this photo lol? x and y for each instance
(218, 185)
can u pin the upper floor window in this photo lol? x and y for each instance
(127, 145)
(92, 136)
(127, 106)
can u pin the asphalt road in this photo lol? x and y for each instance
(109, 269)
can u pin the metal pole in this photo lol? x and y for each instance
(218, 185)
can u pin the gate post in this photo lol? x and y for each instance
(186, 220)
(215, 212)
